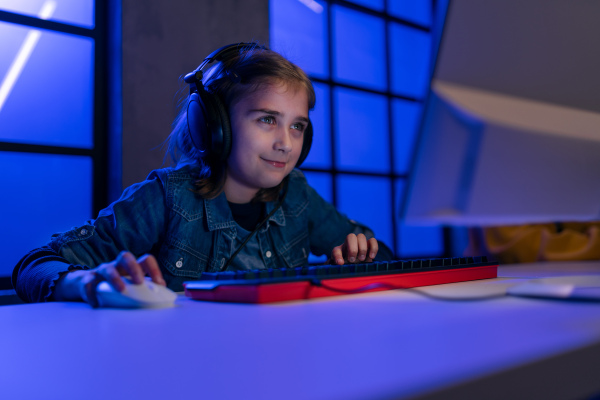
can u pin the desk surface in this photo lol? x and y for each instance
(393, 344)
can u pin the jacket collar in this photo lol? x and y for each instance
(218, 214)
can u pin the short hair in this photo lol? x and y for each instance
(247, 71)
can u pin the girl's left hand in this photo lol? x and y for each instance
(355, 249)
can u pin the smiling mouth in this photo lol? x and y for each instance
(276, 164)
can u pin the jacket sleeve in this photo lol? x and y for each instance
(36, 274)
(133, 223)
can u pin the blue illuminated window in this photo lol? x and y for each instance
(76, 12)
(374, 4)
(407, 116)
(51, 125)
(410, 57)
(417, 241)
(320, 152)
(49, 193)
(369, 105)
(297, 30)
(48, 99)
(361, 131)
(417, 11)
(366, 200)
(321, 182)
(359, 48)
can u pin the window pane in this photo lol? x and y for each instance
(46, 99)
(42, 195)
(321, 182)
(368, 201)
(359, 48)
(361, 131)
(299, 32)
(417, 241)
(77, 12)
(320, 117)
(417, 11)
(373, 4)
(406, 117)
(410, 57)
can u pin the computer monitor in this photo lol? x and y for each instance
(511, 128)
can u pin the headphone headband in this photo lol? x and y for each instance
(218, 55)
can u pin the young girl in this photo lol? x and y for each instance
(234, 199)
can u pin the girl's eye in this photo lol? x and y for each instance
(298, 126)
(267, 120)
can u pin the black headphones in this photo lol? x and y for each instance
(207, 117)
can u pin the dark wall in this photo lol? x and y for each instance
(539, 49)
(161, 41)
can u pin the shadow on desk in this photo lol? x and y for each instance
(9, 297)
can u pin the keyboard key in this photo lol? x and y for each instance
(226, 275)
(394, 265)
(381, 266)
(208, 276)
(436, 262)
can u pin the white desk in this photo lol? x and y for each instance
(381, 345)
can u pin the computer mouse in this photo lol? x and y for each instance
(144, 295)
(579, 287)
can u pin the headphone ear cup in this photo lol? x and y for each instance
(223, 133)
(308, 137)
(197, 123)
(208, 124)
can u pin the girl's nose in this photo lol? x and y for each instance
(283, 141)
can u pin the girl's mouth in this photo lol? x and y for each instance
(276, 164)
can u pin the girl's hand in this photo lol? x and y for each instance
(81, 285)
(355, 249)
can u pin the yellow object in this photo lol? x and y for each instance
(540, 242)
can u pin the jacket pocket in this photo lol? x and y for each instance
(179, 259)
(295, 252)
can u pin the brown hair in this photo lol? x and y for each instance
(231, 79)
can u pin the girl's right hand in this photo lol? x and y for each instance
(81, 285)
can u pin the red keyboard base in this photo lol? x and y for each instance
(296, 290)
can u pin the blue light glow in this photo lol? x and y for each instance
(417, 241)
(42, 195)
(367, 200)
(418, 11)
(359, 48)
(361, 131)
(410, 61)
(302, 43)
(320, 152)
(51, 102)
(33, 36)
(77, 12)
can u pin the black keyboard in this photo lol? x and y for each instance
(270, 285)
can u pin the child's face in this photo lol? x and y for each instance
(267, 134)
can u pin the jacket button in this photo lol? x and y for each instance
(179, 263)
(268, 254)
(83, 232)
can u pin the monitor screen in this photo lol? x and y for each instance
(511, 128)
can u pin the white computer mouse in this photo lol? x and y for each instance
(144, 295)
(580, 287)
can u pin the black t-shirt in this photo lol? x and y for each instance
(247, 215)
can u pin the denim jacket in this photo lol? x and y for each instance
(188, 234)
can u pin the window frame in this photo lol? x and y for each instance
(392, 176)
(99, 153)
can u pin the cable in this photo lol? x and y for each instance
(279, 203)
(378, 285)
